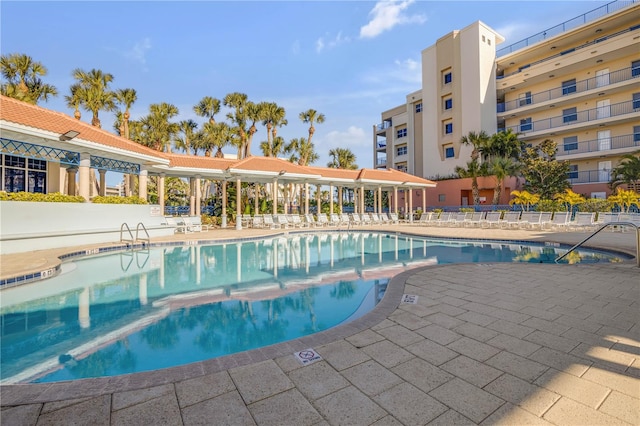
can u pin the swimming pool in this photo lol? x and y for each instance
(144, 310)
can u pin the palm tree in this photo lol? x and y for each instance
(342, 158)
(310, 116)
(569, 198)
(302, 151)
(218, 136)
(207, 107)
(627, 172)
(126, 97)
(23, 79)
(157, 131)
(254, 114)
(238, 102)
(188, 129)
(74, 100)
(273, 116)
(524, 198)
(96, 94)
(478, 141)
(274, 149)
(473, 170)
(502, 144)
(625, 199)
(501, 168)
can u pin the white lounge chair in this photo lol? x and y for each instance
(510, 220)
(582, 221)
(491, 219)
(178, 227)
(560, 220)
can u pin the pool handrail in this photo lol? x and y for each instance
(631, 224)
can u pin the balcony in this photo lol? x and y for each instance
(598, 82)
(384, 125)
(381, 162)
(615, 110)
(381, 145)
(565, 26)
(599, 145)
(589, 176)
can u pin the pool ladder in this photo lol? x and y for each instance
(597, 231)
(132, 240)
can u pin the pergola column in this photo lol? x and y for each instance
(362, 203)
(238, 206)
(161, 192)
(395, 199)
(318, 199)
(256, 191)
(192, 198)
(331, 202)
(340, 195)
(406, 204)
(275, 196)
(306, 198)
(375, 201)
(198, 196)
(132, 184)
(84, 178)
(103, 185)
(379, 199)
(410, 192)
(142, 186)
(424, 200)
(223, 222)
(285, 193)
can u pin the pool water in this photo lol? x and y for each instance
(128, 312)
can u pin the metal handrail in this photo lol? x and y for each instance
(633, 225)
(141, 225)
(132, 240)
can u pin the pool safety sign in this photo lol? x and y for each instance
(410, 299)
(307, 356)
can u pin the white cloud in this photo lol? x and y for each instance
(350, 138)
(336, 41)
(404, 71)
(387, 14)
(515, 31)
(138, 51)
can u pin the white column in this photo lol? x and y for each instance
(275, 196)
(197, 191)
(379, 199)
(84, 178)
(192, 198)
(132, 184)
(84, 317)
(306, 198)
(331, 201)
(103, 180)
(161, 192)
(256, 206)
(340, 199)
(223, 219)
(424, 200)
(142, 184)
(410, 192)
(238, 205)
(362, 200)
(318, 199)
(395, 199)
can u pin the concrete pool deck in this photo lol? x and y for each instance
(485, 343)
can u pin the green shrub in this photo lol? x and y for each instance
(52, 197)
(595, 205)
(549, 206)
(112, 199)
(467, 210)
(206, 219)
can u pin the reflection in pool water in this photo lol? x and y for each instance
(138, 311)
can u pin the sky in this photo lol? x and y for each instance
(349, 60)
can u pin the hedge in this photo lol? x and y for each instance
(52, 197)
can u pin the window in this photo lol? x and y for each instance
(636, 101)
(448, 103)
(636, 134)
(447, 78)
(635, 68)
(401, 150)
(401, 133)
(526, 125)
(573, 171)
(448, 128)
(489, 42)
(442, 198)
(418, 108)
(484, 39)
(448, 152)
(524, 99)
(21, 174)
(402, 167)
(569, 115)
(570, 143)
(568, 86)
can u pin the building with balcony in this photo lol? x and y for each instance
(577, 83)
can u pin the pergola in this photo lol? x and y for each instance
(73, 146)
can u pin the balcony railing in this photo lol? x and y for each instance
(599, 145)
(384, 125)
(381, 145)
(580, 86)
(600, 113)
(565, 26)
(381, 162)
(570, 50)
(589, 176)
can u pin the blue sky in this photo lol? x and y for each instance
(349, 60)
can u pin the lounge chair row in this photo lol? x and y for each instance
(309, 221)
(524, 220)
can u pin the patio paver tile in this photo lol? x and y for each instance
(317, 380)
(473, 349)
(410, 405)
(259, 381)
(432, 352)
(438, 334)
(388, 354)
(469, 400)
(421, 374)
(569, 412)
(349, 406)
(623, 407)
(371, 378)
(21, 415)
(509, 415)
(518, 366)
(532, 398)
(401, 335)
(451, 417)
(222, 410)
(581, 390)
(286, 408)
(163, 410)
(472, 371)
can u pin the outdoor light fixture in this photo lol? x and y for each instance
(69, 135)
(282, 172)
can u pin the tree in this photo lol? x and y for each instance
(95, 93)
(569, 198)
(23, 82)
(504, 144)
(188, 129)
(156, 130)
(302, 151)
(625, 198)
(238, 102)
(524, 199)
(478, 141)
(501, 168)
(627, 172)
(273, 116)
(274, 149)
(126, 97)
(473, 170)
(218, 136)
(310, 116)
(208, 107)
(342, 158)
(74, 100)
(543, 174)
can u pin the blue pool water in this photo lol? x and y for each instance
(128, 312)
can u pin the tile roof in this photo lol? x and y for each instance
(199, 162)
(34, 116)
(272, 164)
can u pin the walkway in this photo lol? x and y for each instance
(484, 344)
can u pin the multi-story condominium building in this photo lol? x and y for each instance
(577, 83)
